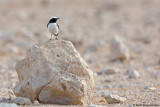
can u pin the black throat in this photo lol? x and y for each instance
(53, 20)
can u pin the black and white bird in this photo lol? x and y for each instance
(53, 26)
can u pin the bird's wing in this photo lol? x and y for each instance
(47, 25)
(58, 26)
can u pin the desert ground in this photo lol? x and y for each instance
(90, 25)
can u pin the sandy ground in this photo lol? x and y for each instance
(87, 23)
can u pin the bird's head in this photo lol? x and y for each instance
(53, 19)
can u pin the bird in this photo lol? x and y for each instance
(53, 26)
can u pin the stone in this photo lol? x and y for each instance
(108, 71)
(22, 101)
(133, 74)
(112, 98)
(3, 99)
(54, 72)
(107, 86)
(119, 50)
(108, 80)
(36, 103)
(95, 106)
(6, 95)
(150, 88)
(8, 105)
(97, 98)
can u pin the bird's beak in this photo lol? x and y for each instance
(58, 18)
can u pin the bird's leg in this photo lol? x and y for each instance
(56, 36)
(51, 37)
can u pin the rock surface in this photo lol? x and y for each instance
(22, 101)
(119, 50)
(111, 99)
(6, 95)
(54, 72)
(95, 106)
(150, 88)
(8, 105)
(36, 103)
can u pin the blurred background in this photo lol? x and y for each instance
(115, 36)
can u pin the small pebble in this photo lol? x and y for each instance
(22, 101)
(107, 86)
(108, 80)
(133, 74)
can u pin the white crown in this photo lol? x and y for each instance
(53, 17)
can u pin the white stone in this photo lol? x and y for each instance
(22, 101)
(119, 49)
(133, 74)
(54, 72)
(111, 99)
(95, 106)
(8, 105)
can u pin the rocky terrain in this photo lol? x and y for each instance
(119, 40)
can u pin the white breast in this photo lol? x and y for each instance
(53, 28)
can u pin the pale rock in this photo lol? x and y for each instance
(36, 103)
(95, 106)
(111, 99)
(150, 88)
(97, 98)
(54, 72)
(108, 71)
(8, 105)
(119, 50)
(133, 74)
(22, 101)
(3, 99)
(6, 95)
